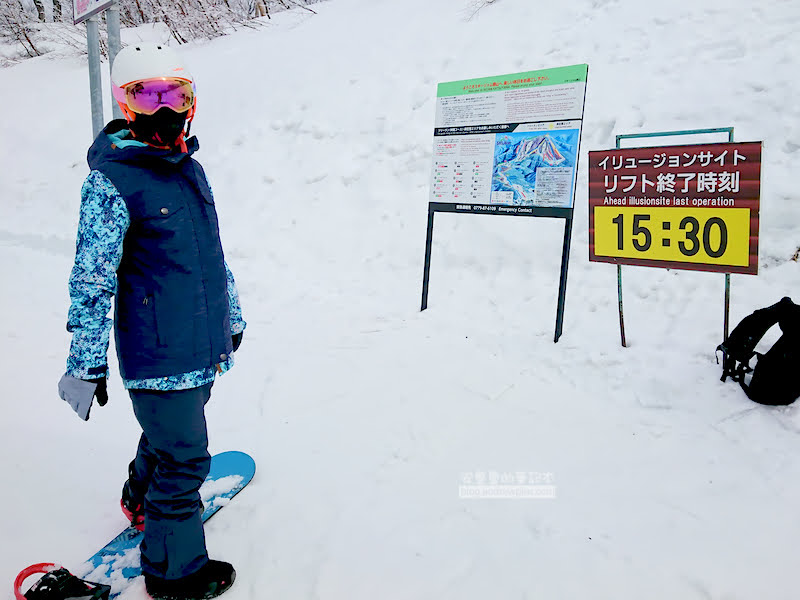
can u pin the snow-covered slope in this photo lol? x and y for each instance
(364, 414)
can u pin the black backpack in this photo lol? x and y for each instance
(776, 375)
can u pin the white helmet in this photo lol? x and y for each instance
(143, 61)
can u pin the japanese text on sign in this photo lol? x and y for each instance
(666, 182)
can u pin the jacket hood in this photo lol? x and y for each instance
(114, 144)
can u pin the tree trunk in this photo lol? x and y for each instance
(39, 9)
(56, 10)
(141, 12)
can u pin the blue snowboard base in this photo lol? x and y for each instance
(118, 563)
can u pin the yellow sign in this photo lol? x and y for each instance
(675, 234)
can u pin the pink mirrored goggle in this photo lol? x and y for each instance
(147, 96)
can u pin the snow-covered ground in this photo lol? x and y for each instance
(365, 414)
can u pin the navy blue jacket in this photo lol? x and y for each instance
(172, 314)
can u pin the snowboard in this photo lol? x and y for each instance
(118, 562)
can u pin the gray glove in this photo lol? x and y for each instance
(78, 393)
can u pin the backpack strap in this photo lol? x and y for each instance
(733, 368)
(740, 347)
(789, 320)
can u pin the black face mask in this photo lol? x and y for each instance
(162, 128)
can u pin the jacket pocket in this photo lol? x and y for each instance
(163, 210)
(151, 310)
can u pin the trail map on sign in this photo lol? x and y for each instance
(510, 140)
(519, 157)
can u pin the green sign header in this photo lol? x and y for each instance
(514, 81)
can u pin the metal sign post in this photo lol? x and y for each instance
(95, 83)
(558, 213)
(562, 285)
(88, 10)
(112, 23)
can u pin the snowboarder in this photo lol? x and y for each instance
(148, 235)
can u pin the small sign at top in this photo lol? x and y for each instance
(84, 9)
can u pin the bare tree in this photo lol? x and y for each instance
(475, 7)
(39, 9)
(187, 19)
(22, 21)
(16, 26)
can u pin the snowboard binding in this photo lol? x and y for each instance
(58, 584)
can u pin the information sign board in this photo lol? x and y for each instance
(508, 141)
(681, 207)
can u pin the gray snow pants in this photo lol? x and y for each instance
(171, 464)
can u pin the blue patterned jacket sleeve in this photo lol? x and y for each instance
(104, 219)
(237, 323)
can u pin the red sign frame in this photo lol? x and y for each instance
(703, 179)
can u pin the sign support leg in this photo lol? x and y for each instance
(727, 305)
(112, 22)
(621, 314)
(95, 87)
(427, 272)
(726, 318)
(562, 288)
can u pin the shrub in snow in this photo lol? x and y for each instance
(17, 27)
